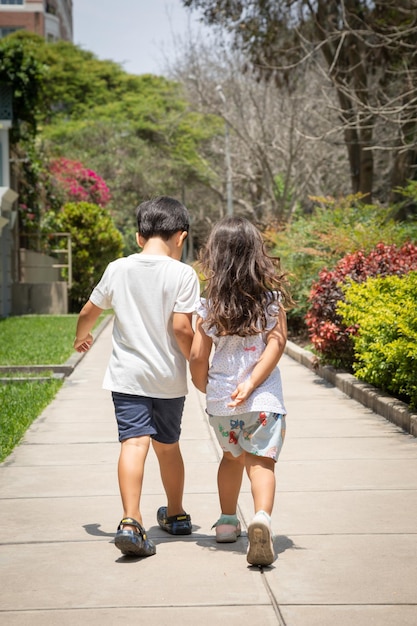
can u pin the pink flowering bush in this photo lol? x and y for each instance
(79, 183)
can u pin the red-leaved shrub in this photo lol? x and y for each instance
(328, 335)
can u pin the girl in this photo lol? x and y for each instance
(243, 316)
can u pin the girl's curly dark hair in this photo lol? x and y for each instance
(241, 278)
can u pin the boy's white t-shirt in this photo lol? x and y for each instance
(144, 291)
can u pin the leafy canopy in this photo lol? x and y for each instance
(136, 132)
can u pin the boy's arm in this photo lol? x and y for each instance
(275, 344)
(199, 357)
(86, 320)
(183, 331)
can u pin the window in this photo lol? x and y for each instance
(50, 8)
(6, 30)
(11, 2)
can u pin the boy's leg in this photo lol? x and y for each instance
(261, 473)
(132, 457)
(229, 481)
(172, 474)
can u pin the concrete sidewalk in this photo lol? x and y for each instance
(345, 518)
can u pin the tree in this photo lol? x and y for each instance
(364, 49)
(275, 164)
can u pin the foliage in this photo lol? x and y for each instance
(95, 242)
(21, 404)
(80, 183)
(31, 176)
(140, 136)
(22, 69)
(385, 345)
(330, 337)
(406, 205)
(148, 107)
(45, 186)
(335, 228)
(77, 81)
(136, 131)
(134, 167)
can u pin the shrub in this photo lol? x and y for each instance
(335, 228)
(385, 345)
(328, 334)
(95, 242)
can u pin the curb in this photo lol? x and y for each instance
(373, 398)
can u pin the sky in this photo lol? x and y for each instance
(139, 34)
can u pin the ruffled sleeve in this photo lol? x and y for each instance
(272, 311)
(201, 310)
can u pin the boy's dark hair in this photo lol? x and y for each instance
(161, 217)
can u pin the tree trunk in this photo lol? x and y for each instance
(346, 60)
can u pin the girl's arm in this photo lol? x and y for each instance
(199, 357)
(86, 320)
(275, 344)
(183, 332)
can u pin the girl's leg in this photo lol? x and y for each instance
(261, 474)
(171, 466)
(229, 481)
(131, 465)
(262, 478)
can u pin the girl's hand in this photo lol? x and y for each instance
(275, 344)
(84, 344)
(241, 393)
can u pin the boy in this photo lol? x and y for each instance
(152, 295)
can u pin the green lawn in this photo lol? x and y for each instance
(30, 340)
(36, 339)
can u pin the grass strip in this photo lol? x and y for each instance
(21, 403)
(31, 340)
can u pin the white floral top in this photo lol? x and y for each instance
(233, 360)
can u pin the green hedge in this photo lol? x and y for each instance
(385, 313)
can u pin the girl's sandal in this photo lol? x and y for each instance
(227, 529)
(133, 542)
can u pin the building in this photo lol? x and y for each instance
(51, 19)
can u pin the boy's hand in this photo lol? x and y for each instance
(241, 393)
(84, 344)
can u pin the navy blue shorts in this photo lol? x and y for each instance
(138, 416)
